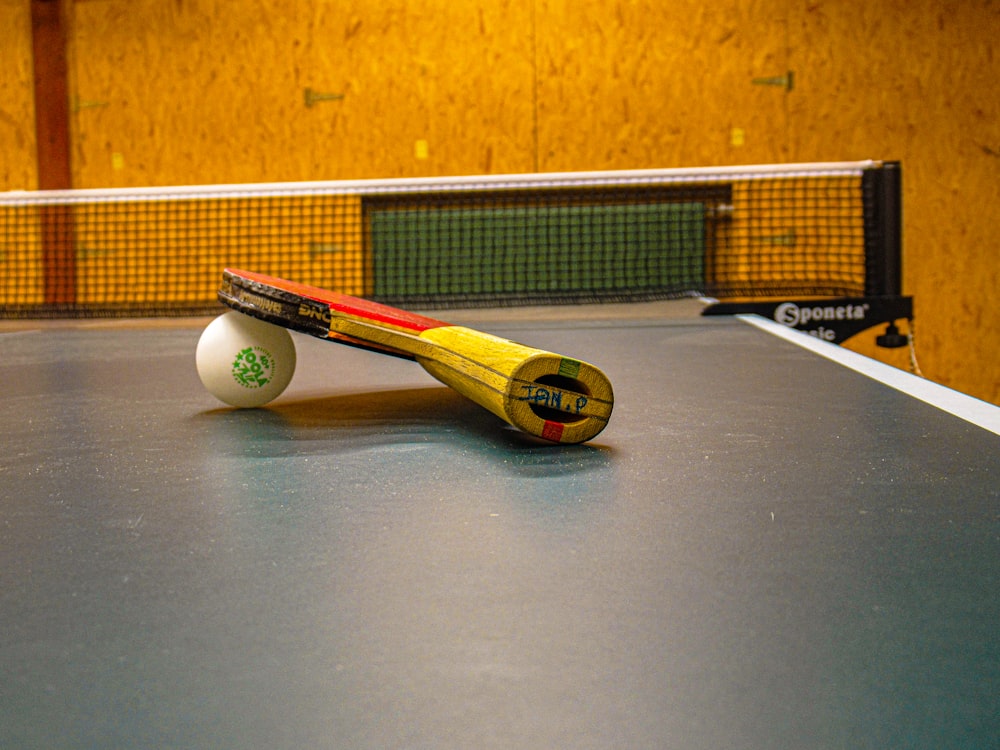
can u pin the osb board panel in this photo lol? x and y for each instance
(646, 83)
(191, 92)
(17, 106)
(918, 82)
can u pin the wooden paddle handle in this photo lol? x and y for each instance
(544, 394)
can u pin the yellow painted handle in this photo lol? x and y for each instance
(544, 394)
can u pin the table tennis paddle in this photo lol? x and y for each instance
(547, 395)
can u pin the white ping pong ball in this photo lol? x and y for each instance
(243, 361)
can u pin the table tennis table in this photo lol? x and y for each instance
(768, 547)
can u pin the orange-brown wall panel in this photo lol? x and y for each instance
(180, 92)
(17, 110)
(21, 274)
(643, 83)
(918, 82)
(191, 92)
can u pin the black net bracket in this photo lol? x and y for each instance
(834, 320)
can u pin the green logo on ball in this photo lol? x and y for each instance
(253, 367)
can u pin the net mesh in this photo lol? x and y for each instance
(539, 239)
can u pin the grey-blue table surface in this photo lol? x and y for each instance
(762, 550)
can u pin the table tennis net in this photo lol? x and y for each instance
(815, 229)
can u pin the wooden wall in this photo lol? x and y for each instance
(918, 81)
(17, 109)
(188, 91)
(193, 91)
(648, 83)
